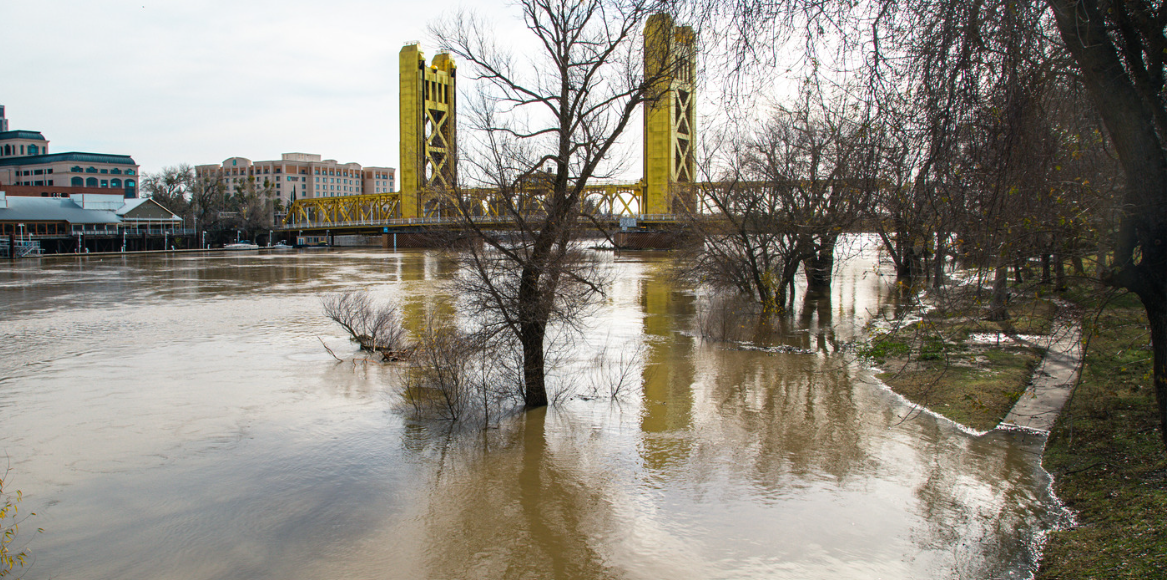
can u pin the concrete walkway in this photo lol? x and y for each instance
(1053, 379)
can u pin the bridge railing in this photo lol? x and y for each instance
(612, 218)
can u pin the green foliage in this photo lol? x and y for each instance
(934, 363)
(883, 346)
(12, 556)
(933, 349)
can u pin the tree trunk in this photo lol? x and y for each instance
(819, 268)
(1059, 273)
(997, 310)
(938, 261)
(532, 329)
(1156, 308)
(534, 385)
(1140, 256)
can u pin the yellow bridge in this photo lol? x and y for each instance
(607, 204)
(428, 109)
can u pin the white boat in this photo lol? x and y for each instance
(280, 245)
(241, 245)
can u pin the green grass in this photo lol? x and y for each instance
(932, 363)
(1105, 452)
(1108, 459)
(977, 396)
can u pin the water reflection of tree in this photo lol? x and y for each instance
(730, 318)
(784, 415)
(506, 504)
(982, 501)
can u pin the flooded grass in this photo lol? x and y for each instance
(974, 387)
(1107, 458)
(959, 365)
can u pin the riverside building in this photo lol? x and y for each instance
(27, 168)
(301, 176)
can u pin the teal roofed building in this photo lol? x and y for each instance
(27, 168)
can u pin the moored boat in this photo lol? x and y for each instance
(241, 245)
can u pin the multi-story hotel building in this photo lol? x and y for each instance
(301, 176)
(28, 169)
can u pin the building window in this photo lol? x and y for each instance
(75, 169)
(129, 172)
(129, 184)
(91, 182)
(78, 182)
(104, 183)
(115, 171)
(105, 171)
(90, 170)
(115, 183)
(32, 150)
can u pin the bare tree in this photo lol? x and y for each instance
(544, 135)
(790, 190)
(171, 188)
(456, 375)
(377, 327)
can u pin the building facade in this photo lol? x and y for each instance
(27, 168)
(301, 176)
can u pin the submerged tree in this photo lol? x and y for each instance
(377, 327)
(543, 135)
(789, 191)
(1119, 50)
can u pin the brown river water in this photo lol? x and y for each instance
(176, 416)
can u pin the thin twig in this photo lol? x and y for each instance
(338, 359)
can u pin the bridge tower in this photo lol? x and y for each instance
(428, 109)
(670, 62)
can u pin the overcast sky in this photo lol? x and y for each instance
(198, 82)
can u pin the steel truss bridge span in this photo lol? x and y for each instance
(371, 213)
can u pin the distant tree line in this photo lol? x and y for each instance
(207, 204)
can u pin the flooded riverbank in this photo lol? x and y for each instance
(177, 417)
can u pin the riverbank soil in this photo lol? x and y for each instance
(960, 365)
(1107, 456)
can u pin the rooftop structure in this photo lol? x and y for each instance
(300, 176)
(28, 169)
(80, 212)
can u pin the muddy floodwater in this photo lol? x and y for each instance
(176, 416)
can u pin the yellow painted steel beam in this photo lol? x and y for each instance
(670, 121)
(428, 124)
(343, 210)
